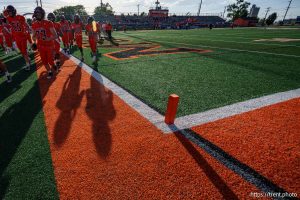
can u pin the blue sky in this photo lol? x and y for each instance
(175, 6)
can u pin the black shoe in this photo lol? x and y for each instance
(9, 79)
(27, 68)
(50, 74)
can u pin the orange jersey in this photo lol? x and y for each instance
(18, 26)
(5, 30)
(65, 27)
(43, 32)
(77, 28)
(90, 32)
(108, 27)
(57, 27)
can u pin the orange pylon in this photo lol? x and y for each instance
(171, 109)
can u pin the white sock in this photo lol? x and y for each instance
(7, 73)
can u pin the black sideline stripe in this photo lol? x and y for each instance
(233, 164)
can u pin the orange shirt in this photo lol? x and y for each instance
(42, 32)
(18, 26)
(4, 29)
(108, 27)
(65, 27)
(91, 33)
(77, 28)
(57, 27)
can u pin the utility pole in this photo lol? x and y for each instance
(101, 3)
(37, 3)
(138, 9)
(287, 9)
(268, 9)
(224, 11)
(41, 3)
(199, 10)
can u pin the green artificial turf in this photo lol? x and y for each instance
(210, 80)
(25, 162)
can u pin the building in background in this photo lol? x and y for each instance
(254, 11)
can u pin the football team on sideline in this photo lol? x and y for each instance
(45, 36)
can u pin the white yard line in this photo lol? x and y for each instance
(188, 121)
(227, 41)
(230, 49)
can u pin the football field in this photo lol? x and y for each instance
(90, 132)
(233, 66)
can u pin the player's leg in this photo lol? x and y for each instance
(4, 69)
(50, 58)
(57, 54)
(65, 40)
(22, 46)
(44, 57)
(93, 45)
(79, 45)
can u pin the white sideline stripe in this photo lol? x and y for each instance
(142, 108)
(188, 121)
(234, 109)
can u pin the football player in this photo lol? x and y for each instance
(77, 26)
(44, 35)
(51, 17)
(71, 35)
(65, 28)
(92, 30)
(18, 29)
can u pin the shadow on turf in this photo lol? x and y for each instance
(15, 123)
(68, 103)
(215, 179)
(99, 109)
(246, 172)
(19, 77)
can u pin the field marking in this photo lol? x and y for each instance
(230, 49)
(249, 174)
(188, 121)
(230, 41)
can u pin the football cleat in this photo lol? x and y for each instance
(50, 74)
(8, 79)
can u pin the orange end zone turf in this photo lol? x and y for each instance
(268, 140)
(102, 149)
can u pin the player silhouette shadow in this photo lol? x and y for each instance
(101, 111)
(68, 104)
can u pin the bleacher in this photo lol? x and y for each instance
(171, 22)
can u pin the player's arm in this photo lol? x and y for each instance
(53, 33)
(34, 46)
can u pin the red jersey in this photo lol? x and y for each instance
(57, 27)
(42, 32)
(18, 26)
(5, 30)
(91, 33)
(108, 27)
(65, 27)
(77, 28)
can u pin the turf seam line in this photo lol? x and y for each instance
(224, 48)
(188, 121)
(228, 41)
(243, 170)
